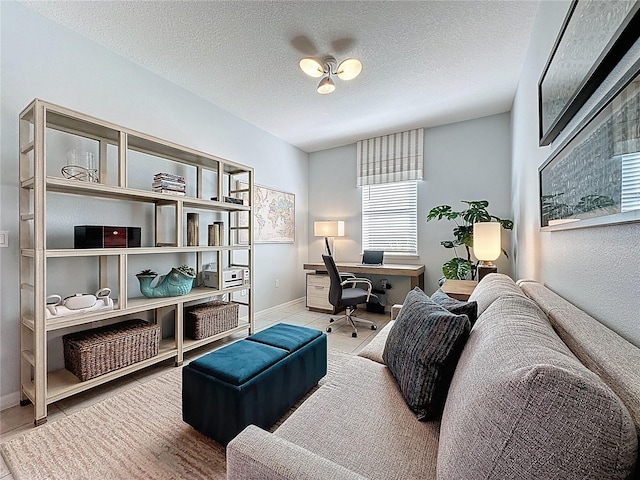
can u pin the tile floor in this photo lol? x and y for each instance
(15, 421)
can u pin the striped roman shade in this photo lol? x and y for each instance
(390, 158)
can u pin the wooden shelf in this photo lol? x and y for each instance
(212, 174)
(106, 252)
(100, 190)
(190, 344)
(62, 383)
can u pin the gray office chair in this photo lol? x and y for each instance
(349, 298)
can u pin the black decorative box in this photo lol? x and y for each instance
(101, 236)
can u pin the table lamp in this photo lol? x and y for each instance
(486, 246)
(329, 230)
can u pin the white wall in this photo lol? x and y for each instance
(468, 160)
(41, 59)
(594, 268)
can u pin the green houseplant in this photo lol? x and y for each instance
(460, 267)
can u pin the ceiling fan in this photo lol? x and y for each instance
(347, 70)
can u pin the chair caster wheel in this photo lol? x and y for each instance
(374, 327)
(331, 320)
(354, 334)
(328, 329)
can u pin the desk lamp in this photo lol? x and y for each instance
(486, 246)
(328, 230)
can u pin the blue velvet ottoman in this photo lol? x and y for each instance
(252, 381)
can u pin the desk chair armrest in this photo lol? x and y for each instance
(345, 276)
(354, 281)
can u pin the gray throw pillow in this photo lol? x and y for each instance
(422, 351)
(470, 309)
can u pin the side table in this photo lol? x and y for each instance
(459, 289)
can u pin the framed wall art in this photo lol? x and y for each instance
(594, 179)
(274, 215)
(594, 37)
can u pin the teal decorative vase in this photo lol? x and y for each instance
(173, 284)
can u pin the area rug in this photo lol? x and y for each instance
(136, 434)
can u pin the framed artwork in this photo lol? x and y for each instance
(274, 215)
(594, 37)
(594, 179)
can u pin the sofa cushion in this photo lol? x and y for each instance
(470, 309)
(422, 350)
(359, 420)
(600, 349)
(492, 287)
(521, 405)
(375, 348)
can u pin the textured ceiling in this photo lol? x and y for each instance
(424, 63)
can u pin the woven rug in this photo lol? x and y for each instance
(136, 434)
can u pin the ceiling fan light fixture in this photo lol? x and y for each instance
(326, 85)
(349, 69)
(312, 67)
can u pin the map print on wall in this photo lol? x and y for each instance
(274, 215)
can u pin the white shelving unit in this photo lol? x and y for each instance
(38, 184)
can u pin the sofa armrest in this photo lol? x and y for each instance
(375, 348)
(255, 453)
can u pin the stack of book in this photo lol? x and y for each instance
(169, 184)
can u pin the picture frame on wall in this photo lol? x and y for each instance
(594, 178)
(274, 215)
(594, 37)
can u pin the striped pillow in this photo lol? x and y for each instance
(422, 351)
(470, 309)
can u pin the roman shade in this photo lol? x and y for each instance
(390, 158)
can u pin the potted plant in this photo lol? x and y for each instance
(459, 268)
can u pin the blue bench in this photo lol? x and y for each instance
(252, 381)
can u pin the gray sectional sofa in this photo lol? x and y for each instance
(541, 391)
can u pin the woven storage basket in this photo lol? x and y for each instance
(211, 318)
(94, 352)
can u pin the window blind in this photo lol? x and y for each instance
(389, 217)
(390, 158)
(630, 181)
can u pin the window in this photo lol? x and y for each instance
(389, 217)
(630, 181)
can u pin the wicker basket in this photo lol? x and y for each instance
(94, 352)
(211, 318)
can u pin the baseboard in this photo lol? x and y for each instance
(278, 307)
(9, 400)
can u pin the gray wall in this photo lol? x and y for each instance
(595, 268)
(469, 160)
(41, 59)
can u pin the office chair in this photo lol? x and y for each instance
(347, 297)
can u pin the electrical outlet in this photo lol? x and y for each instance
(277, 283)
(4, 238)
(243, 293)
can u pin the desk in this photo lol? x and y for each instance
(318, 282)
(416, 272)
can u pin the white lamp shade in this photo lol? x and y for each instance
(329, 228)
(486, 241)
(326, 85)
(349, 69)
(311, 67)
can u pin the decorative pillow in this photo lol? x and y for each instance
(422, 351)
(458, 307)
